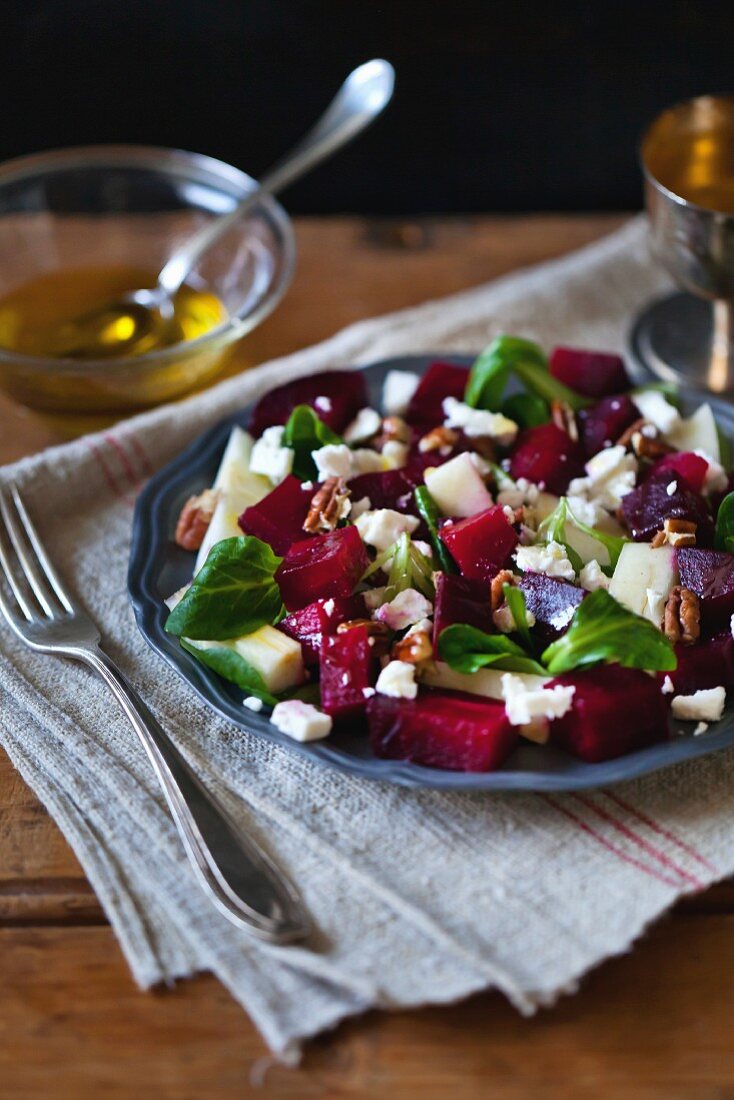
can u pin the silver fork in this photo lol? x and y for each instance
(235, 873)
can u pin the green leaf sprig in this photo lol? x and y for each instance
(467, 649)
(553, 529)
(515, 599)
(603, 630)
(724, 534)
(428, 510)
(513, 355)
(234, 593)
(233, 667)
(406, 567)
(304, 433)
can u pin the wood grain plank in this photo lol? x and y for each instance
(650, 1026)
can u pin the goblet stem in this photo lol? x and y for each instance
(721, 366)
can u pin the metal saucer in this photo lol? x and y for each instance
(674, 339)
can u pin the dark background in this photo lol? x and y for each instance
(510, 106)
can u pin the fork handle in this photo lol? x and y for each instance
(231, 868)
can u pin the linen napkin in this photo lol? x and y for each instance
(416, 896)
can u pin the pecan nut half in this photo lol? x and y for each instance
(329, 504)
(675, 532)
(496, 593)
(438, 439)
(682, 620)
(414, 648)
(564, 418)
(193, 522)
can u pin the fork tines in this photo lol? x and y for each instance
(26, 565)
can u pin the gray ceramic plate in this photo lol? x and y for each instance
(158, 567)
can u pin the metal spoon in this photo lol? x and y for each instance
(363, 95)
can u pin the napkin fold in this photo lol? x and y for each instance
(416, 896)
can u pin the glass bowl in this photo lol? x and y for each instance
(131, 206)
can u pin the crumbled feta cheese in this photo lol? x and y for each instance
(522, 493)
(731, 625)
(592, 577)
(705, 706)
(424, 548)
(397, 679)
(382, 527)
(329, 606)
(323, 404)
(269, 457)
(480, 464)
(359, 507)
(366, 461)
(585, 511)
(333, 460)
(368, 692)
(657, 410)
(477, 423)
(253, 703)
(301, 721)
(509, 513)
(307, 486)
(373, 597)
(395, 454)
(551, 560)
(717, 479)
(366, 423)
(423, 626)
(561, 619)
(408, 607)
(524, 704)
(398, 389)
(672, 488)
(667, 688)
(700, 728)
(610, 475)
(654, 606)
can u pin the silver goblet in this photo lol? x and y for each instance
(688, 163)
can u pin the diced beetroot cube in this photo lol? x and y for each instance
(460, 600)
(480, 545)
(706, 664)
(348, 669)
(615, 710)
(318, 620)
(710, 574)
(440, 381)
(345, 391)
(691, 467)
(647, 507)
(323, 566)
(279, 517)
(552, 601)
(592, 373)
(387, 489)
(442, 730)
(604, 423)
(547, 456)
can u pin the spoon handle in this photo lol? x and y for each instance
(363, 95)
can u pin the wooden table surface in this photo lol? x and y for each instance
(655, 1023)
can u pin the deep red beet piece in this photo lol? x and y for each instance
(442, 730)
(440, 381)
(707, 664)
(547, 456)
(278, 518)
(323, 566)
(691, 467)
(591, 373)
(388, 489)
(710, 574)
(552, 601)
(480, 545)
(346, 391)
(319, 620)
(603, 424)
(348, 669)
(460, 600)
(615, 710)
(647, 507)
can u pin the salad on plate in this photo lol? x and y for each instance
(530, 548)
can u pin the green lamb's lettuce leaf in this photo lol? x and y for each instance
(527, 409)
(430, 515)
(406, 567)
(515, 599)
(553, 529)
(304, 432)
(234, 593)
(724, 536)
(231, 666)
(603, 630)
(512, 355)
(467, 649)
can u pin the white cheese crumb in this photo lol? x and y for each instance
(397, 679)
(585, 511)
(253, 703)
(359, 507)
(657, 410)
(307, 486)
(592, 577)
(384, 526)
(561, 619)
(610, 475)
(329, 606)
(373, 597)
(366, 461)
(397, 391)
(731, 625)
(301, 721)
(368, 692)
(423, 626)
(478, 423)
(717, 479)
(522, 493)
(524, 704)
(333, 460)
(395, 454)
(672, 488)
(706, 705)
(323, 404)
(408, 607)
(425, 548)
(667, 688)
(700, 728)
(269, 458)
(551, 560)
(509, 513)
(366, 423)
